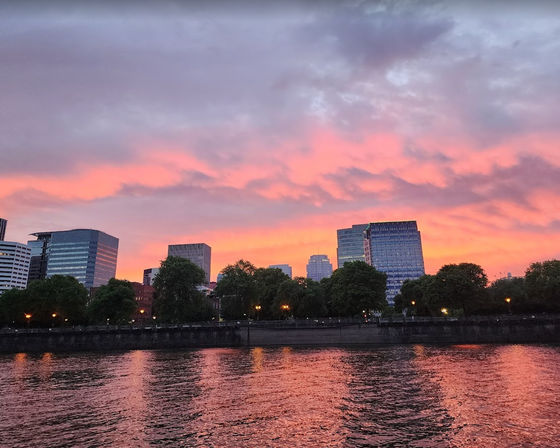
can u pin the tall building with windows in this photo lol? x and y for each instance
(198, 253)
(319, 267)
(350, 245)
(396, 249)
(149, 275)
(285, 268)
(88, 255)
(14, 265)
(3, 224)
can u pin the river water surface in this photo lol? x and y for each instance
(420, 396)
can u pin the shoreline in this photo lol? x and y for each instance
(542, 329)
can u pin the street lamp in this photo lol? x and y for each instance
(258, 309)
(508, 301)
(285, 308)
(444, 311)
(53, 315)
(413, 302)
(27, 318)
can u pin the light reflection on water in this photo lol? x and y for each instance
(423, 396)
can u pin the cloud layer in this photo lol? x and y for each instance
(261, 130)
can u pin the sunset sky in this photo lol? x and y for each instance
(260, 130)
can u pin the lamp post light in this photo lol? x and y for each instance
(258, 310)
(444, 311)
(27, 318)
(53, 315)
(508, 301)
(285, 308)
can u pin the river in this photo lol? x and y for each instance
(418, 396)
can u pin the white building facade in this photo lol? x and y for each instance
(14, 265)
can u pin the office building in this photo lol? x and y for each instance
(14, 265)
(38, 265)
(198, 253)
(3, 224)
(285, 268)
(319, 267)
(149, 276)
(396, 249)
(88, 255)
(350, 245)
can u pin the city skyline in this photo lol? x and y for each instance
(261, 130)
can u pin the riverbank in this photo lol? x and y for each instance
(542, 329)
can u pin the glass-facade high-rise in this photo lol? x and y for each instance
(3, 224)
(149, 276)
(350, 244)
(319, 267)
(396, 249)
(285, 268)
(198, 253)
(88, 255)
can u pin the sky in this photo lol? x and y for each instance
(260, 128)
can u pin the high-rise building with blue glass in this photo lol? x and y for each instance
(396, 249)
(88, 255)
(319, 267)
(350, 244)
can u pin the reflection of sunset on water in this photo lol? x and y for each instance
(494, 393)
(302, 397)
(410, 395)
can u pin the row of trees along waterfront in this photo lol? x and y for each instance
(249, 292)
(62, 300)
(463, 289)
(260, 293)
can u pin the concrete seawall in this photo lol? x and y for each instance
(127, 338)
(452, 332)
(495, 331)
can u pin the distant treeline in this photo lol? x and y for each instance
(246, 291)
(463, 289)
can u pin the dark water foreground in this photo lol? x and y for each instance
(414, 395)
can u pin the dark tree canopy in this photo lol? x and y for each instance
(543, 284)
(304, 297)
(237, 290)
(60, 295)
(462, 286)
(421, 296)
(356, 287)
(512, 288)
(113, 303)
(267, 281)
(177, 298)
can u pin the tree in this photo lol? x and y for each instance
(61, 296)
(462, 286)
(304, 297)
(512, 288)
(422, 296)
(177, 298)
(237, 290)
(52, 301)
(542, 280)
(355, 287)
(267, 282)
(114, 303)
(14, 304)
(312, 302)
